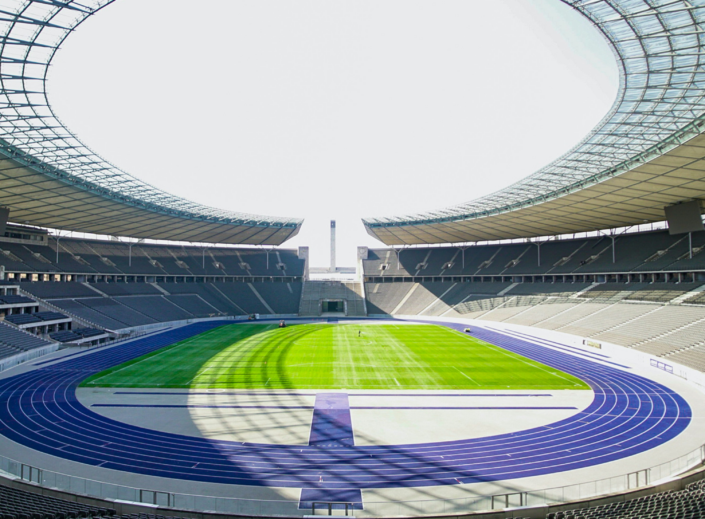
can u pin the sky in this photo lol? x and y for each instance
(332, 109)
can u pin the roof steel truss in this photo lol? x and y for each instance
(660, 50)
(31, 32)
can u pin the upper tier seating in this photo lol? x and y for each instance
(114, 258)
(57, 290)
(27, 258)
(120, 289)
(644, 252)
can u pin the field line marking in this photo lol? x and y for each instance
(168, 348)
(521, 359)
(398, 384)
(265, 384)
(133, 364)
(198, 375)
(518, 356)
(430, 377)
(463, 374)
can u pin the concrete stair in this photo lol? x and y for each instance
(315, 292)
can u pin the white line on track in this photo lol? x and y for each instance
(71, 434)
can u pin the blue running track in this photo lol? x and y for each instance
(629, 414)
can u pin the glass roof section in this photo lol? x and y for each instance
(659, 47)
(31, 32)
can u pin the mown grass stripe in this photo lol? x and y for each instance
(334, 356)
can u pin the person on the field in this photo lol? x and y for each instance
(359, 333)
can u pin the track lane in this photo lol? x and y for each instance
(629, 414)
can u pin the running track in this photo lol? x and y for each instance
(629, 414)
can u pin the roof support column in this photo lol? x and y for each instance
(538, 246)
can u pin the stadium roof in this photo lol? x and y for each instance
(49, 178)
(646, 153)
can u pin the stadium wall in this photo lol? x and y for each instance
(20, 358)
(148, 328)
(123, 507)
(14, 480)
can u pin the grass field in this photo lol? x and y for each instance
(333, 356)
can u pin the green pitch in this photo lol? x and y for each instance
(334, 356)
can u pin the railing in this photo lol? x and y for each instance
(22, 357)
(155, 497)
(510, 500)
(333, 505)
(256, 507)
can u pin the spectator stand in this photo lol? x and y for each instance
(23, 496)
(96, 261)
(18, 346)
(81, 336)
(85, 323)
(38, 318)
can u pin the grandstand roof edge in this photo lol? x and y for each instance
(34, 138)
(649, 119)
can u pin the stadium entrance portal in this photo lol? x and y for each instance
(333, 307)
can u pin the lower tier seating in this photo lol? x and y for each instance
(683, 504)
(126, 305)
(20, 504)
(21, 341)
(662, 319)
